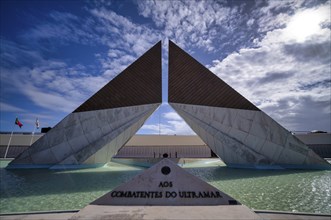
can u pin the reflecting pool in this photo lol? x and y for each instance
(284, 190)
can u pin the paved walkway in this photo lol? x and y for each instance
(274, 215)
(165, 212)
(41, 216)
(99, 212)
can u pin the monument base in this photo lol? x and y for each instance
(98, 212)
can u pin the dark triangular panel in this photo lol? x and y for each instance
(192, 83)
(95, 131)
(235, 129)
(138, 84)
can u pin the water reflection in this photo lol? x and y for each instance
(287, 190)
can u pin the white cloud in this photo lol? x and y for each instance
(216, 25)
(50, 100)
(307, 23)
(284, 75)
(54, 84)
(17, 55)
(51, 85)
(172, 116)
(170, 128)
(125, 39)
(180, 127)
(171, 124)
(123, 33)
(62, 27)
(115, 53)
(188, 22)
(250, 22)
(4, 107)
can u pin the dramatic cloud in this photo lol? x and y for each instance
(175, 124)
(271, 77)
(171, 124)
(9, 108)
(286, 74)
(191, 22)
(51, 85)
(275, 53)
(61, 85)
(172, 116)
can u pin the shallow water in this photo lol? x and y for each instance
(285, 190)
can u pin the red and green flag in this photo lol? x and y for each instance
(17, 122)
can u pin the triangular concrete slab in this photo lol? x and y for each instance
(165, 184)
(104, 122)
(234, 128)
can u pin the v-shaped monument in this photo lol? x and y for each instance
(97, 129)
(236, 130)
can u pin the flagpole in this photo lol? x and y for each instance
(11, 135)
(159, 123)
(34, 129)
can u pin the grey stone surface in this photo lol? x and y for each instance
(279, 215)
(165, 183)
(61, 151)
(39, 216)
(100, 212)
(80, 135)
(166, 212)
(247, 137)
(104, 154)
(84, 155)
(44, 156)
(233, 150)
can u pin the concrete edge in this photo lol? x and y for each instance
(280, 166)
(40, 212)
(289, 213)
(53, 166)
(7, 158)
(75, 166)
(256, 211)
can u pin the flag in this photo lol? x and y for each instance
(37, 123)
(17, 122)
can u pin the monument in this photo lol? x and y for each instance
(96, 130)
(165, 183)
(236, 130)
(240, 134)
(165, 191)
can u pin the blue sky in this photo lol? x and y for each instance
(56, 54)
